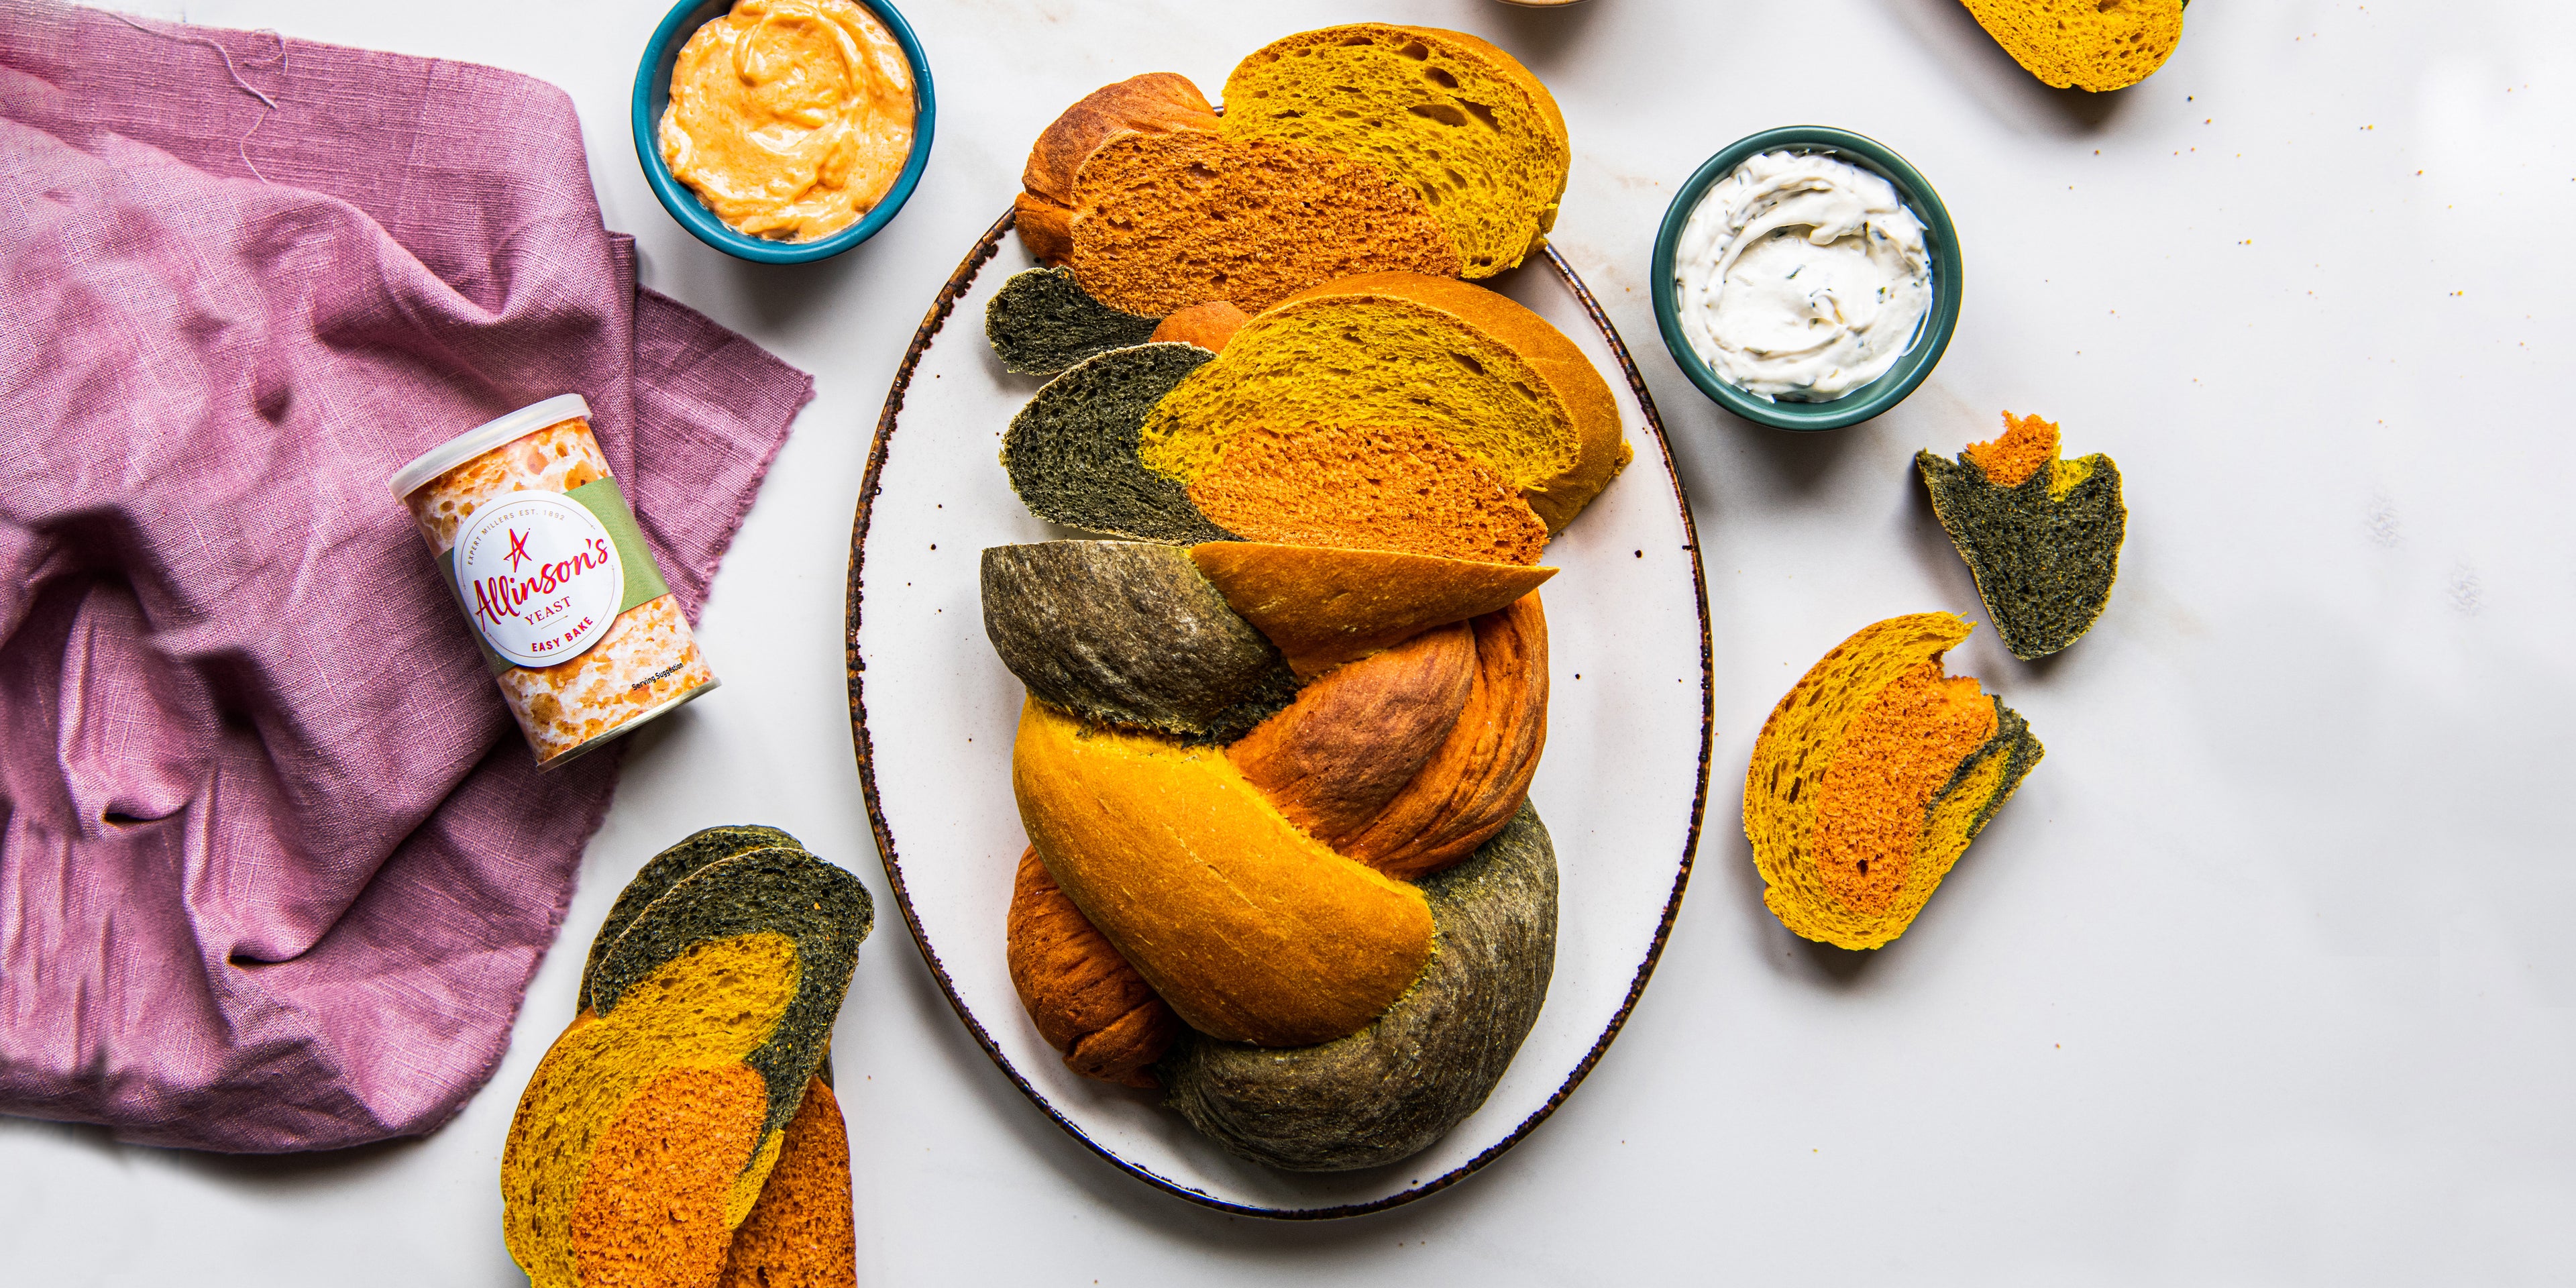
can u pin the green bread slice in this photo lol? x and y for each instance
(1042, 322)
(1390, 1090)
(1071, 452)
(822, 908)
(663, 871)
(1130, 633)
(2044, 551)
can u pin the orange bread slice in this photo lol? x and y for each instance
(1492, 378)
(1460, 120)
(1323, 607)
(1151, 103)
(1250, 929)
(1366, 487)
(1871, 777)
(2088, 44)
(1170, 220)
(799, 1235)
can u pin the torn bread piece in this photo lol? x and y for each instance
(1871, 777)
(2040, 534)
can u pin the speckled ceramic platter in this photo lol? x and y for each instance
(1622, 785)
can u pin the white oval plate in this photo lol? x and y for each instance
(933, 712)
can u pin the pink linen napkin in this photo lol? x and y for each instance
(275, 866)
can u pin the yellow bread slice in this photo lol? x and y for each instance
(1251, 930)
(2095, 45)
(1457, 118)
(666, 1063)
(1486, 374)
(1871, 777)
(1323, 607)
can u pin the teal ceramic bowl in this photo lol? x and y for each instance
(653, 92)
(1930, 338)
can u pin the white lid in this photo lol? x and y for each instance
(483, 438)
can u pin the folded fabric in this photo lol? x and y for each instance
(275, 866)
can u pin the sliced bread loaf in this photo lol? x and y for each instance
(1460, 120)
(1490, 377)
(799, 1235)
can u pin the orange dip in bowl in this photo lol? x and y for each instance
(789, 118)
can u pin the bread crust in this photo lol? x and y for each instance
(1151, 103)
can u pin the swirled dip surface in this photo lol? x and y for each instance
(1801, 277)
(790, 118)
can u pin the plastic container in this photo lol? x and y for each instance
(571, 613)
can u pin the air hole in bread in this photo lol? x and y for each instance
(1417, 51)
(1440, 78)
(1467, 361)
(1440, 112)
(1482, 113)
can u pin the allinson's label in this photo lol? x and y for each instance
(540, 577)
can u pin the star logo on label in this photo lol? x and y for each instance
(518, 549)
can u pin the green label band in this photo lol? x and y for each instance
(607, 504)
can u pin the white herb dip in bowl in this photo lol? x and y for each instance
(1806, 278)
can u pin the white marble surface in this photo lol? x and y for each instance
(2261, 979)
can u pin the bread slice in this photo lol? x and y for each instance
(650, 1128)
(1490, 377)
(1042, 322)
(1251, 930)
(1390, 1090)
(1087, 1001)
(1169, 220)
(1071, 452)
(799, 1235)
(1366, 487)
(1151, 103)
(2095, 45)
(1460, 120)
(1871, 777)
(2041, 535)
(1130, 633)
(1323, 607)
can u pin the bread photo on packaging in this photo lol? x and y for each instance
(2040, 534)
(1870, 778)
(2097, 45)
(683, 1131)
